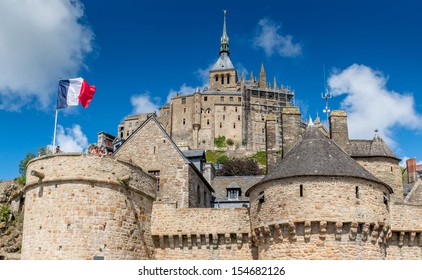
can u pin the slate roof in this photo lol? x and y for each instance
(193, 153)
(221, 183)
(315, 155)
(223, 63)
(371, 148)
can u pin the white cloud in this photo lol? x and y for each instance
(41, 41)
(144, 104)
(371, 105)
(268, 37)
(71, 139)
(402, 163)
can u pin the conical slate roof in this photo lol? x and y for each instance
(371, 148)
(316, 155)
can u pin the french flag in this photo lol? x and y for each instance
(74, 91)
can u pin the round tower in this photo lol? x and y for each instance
(86, 207)
(318, 203)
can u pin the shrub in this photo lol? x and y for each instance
(230, 142)
(5, 214)
(239, 167)
(220, 141)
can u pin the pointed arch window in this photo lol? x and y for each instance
(228, 79)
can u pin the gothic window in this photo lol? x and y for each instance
(184, 100)
(228, 78)
(222, 79)
(216, 78)
(231, 98)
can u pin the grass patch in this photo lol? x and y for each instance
(260, 157)
(215, 156)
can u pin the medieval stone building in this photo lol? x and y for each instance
(326, 196)
(231, 107)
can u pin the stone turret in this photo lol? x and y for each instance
(318, 203)
(262, 77)
(81, 206)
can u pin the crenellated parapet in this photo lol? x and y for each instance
(321, 230)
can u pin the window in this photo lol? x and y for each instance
(208, 122)
(154, 150)
(239, 99)
(156, 174)
(221, 125)
(198, 192)
(261, 197)
(184, 121)
(127, 133)
(224, 117)
(222, 98)
(205, 98)
(263, 130)
(357, 191)
(184, 110)
(234, 125)
(216, 78)
(228, 78)
(224, 108)
(233, 194)
(231, 98)
(222, 79)
(238, 117)
(183, 100)
(262, 118)
(235, 109)
(301, 190)
(391, 169)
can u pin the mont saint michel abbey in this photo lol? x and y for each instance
(325, 196)
(230, 107)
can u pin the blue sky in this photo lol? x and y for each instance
(137, 53)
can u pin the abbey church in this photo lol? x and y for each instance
(323, 196)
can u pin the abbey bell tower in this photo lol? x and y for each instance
(223, 75)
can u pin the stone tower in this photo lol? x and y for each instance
(83, 207)
(319, 204)
(290, 122)
(223, 75)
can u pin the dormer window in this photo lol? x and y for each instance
(233, 193)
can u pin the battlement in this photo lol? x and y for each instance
(304, 230)
(71, 167)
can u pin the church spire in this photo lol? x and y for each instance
(262, 77)
(224, 45)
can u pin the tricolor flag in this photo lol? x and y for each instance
(74, 91)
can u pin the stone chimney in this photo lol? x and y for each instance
(271, 142)
(338, 130)
(290, 122)
(411, 170)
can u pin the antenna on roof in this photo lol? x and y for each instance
(326, 96)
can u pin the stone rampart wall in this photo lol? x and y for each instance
(87, 206)
(201, 233)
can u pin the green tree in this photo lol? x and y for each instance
(24, 162)
(45, 150)
(230, 142)
(220, 141)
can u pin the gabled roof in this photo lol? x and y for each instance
(152, 118)
(316, 155)
(371, 148)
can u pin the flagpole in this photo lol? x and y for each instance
(55, 129)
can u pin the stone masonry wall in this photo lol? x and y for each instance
(87, 206)
(387, 170)
(323, 203)
(201, 233)
(151, 149)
